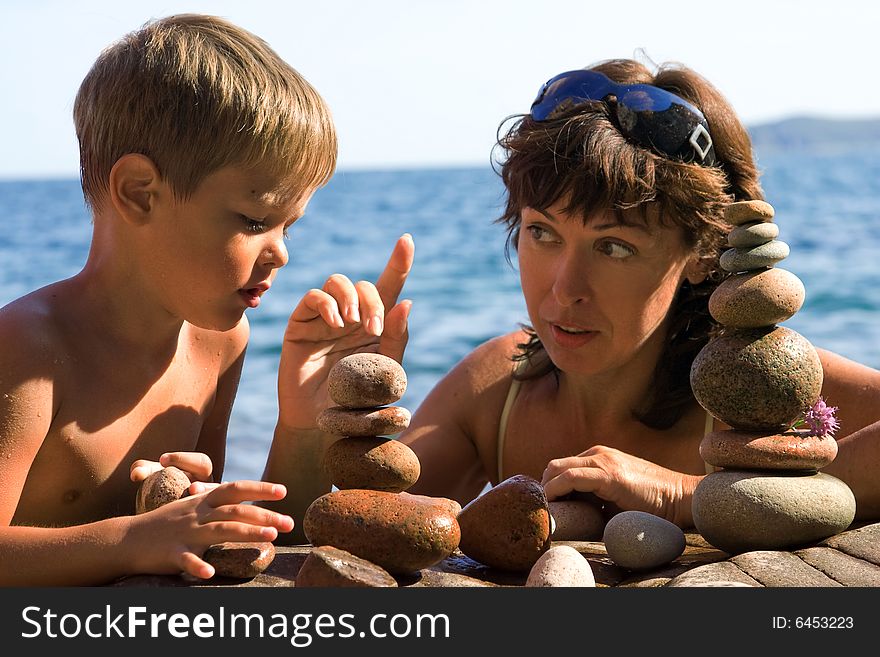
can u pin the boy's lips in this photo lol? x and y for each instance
(251, 295)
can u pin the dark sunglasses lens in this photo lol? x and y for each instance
(569, 89)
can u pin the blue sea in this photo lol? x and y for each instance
(463, 289)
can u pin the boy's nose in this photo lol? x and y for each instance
(275, 255)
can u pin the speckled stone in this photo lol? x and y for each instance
(791, 450)
(749, 235)
(739, 511)
(448, 505)
(641, 541)
(757, 379)
(371, 462)
(161, 487)
(576, 520)
(330, 566)
(756, 257)
(387, 420)
(559, 566)
(366, 380)
(743, 212)
(758, 298)
(399, 532)
(239, 559)
(508, 526)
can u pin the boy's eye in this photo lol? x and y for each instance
(251, 225)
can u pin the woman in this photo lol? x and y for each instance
(615, 206)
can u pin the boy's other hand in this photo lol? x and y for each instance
(340, 319)
(174, 537)
(196, 465)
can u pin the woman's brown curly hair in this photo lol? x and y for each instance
(581, 158)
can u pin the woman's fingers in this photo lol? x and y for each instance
(396, 270)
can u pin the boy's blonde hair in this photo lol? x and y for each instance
(194, 94)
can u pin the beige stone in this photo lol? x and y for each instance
(759, 298)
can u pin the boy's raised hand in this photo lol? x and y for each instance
(335, 321)
(196, 465)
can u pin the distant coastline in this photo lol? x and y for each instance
(817, 135)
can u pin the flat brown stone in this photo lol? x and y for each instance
(399, 532)
(743, 212)
(508, 526)
(791, 450)
(366, 380)
(330, 566)
(576, 520)
(161, 487)
(862, 543)
(371, 462)
(722, 571)
(841, 567)
(240, 559)
(387, 420)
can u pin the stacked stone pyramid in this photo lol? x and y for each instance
(760, 378)
(371, 528)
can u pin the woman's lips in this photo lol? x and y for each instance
(569, 340)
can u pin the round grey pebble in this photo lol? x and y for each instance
(757, 257)
(366, 380)
(755, 234)
(641, 541)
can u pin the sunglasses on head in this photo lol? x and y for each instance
(648, 115)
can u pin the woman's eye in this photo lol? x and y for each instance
(253, 226)
(539, 233)
(616, 249)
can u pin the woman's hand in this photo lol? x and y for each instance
(340, 319)
(196, 465)
(173, 538)
(625, 481)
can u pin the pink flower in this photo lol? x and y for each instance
(821, 420)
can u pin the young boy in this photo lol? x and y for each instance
(199, 148)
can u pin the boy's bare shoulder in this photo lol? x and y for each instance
(30, 324)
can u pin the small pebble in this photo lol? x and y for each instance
(756, 257)
(241, 560)
(641, 541)
(749, 235)
(384, 421)
(330, 566)
(561, 565)
(743, 212)
(366, 380)
(161, 487)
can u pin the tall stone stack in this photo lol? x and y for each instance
(371, 518)
(760, 379)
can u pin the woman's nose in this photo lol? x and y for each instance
(572, 280)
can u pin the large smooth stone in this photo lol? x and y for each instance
(330, 566)
(366, 380)
(371, 462)
(749, 235)
(743, 212)
(576, 520)
(508, 526)
(755, 257)
(240, 559)
(401, 533)
(387, 420)
(745, 450)
(757, 379)
(760, 298)
(740, 511)
(561, 565)
(641, 541)
(161, 487)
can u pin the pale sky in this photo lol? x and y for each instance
(426, 82)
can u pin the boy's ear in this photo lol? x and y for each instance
(134, 186)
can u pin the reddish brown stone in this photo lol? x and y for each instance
(383, 421)
(161, 487)
(508, 526)
(366, 380)
(757, 379)
(791, 450)
(399, 532)
(371, 462)
(240, 560)
(330, 566)
(450, 506)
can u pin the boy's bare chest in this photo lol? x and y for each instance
(108, 418)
